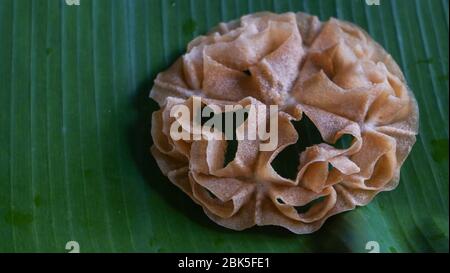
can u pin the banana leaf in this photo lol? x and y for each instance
(75, 168)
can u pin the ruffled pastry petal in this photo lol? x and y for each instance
(313, 171)
(332, 200)
(179, 177)
(404, 141)
(309, 27)
(377, 161)
(287, 135)
(167, 163)
(335, 31)
(351, 104)
(286, 199)
(172, 83)
(221, 196)
(275, 74)
(244, 218)
(219, 64)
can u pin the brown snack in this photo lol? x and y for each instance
(332, 72)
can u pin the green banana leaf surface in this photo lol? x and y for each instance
(75, 122)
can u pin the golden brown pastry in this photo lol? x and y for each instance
(333, 73)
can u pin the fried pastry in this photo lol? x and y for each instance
(331, 72)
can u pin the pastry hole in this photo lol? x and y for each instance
(280, 201)
(247, 72)
(230, 154)
(232, 142)
(305, 208)
(205, 109)
(237, 117)
(287, 161)
(210, 194)
(223, 116)
(330, 167)
(344, 142)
